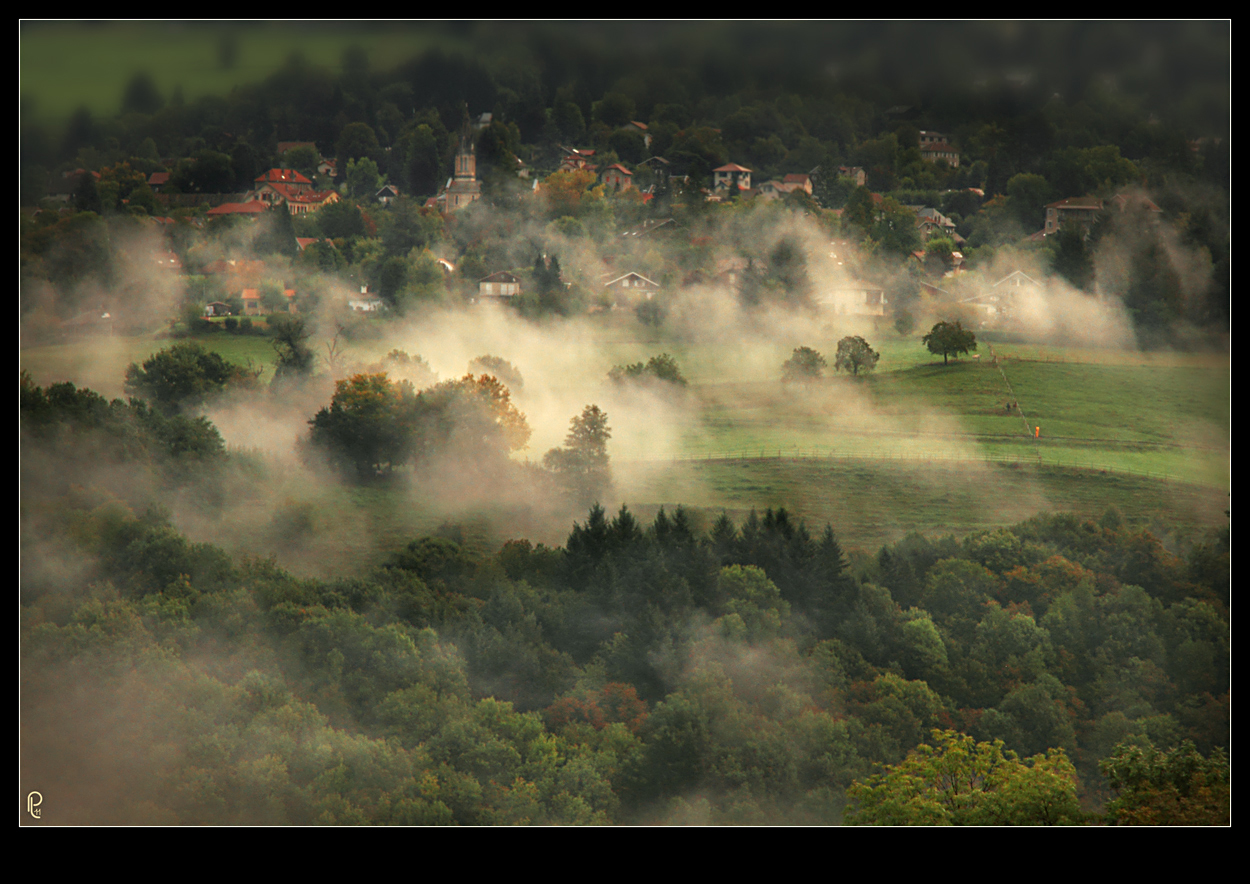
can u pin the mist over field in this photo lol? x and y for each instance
(624, 423)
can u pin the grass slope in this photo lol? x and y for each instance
(915, 446)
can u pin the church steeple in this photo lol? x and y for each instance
(466, 156)
(463, 188)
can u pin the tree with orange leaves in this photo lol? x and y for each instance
(374, 422)
(368, 424)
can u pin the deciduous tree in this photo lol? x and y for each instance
(290, 341)
(854, 355)
(948, 339)
(661, 368)
(184, 376)
(804, 365)
(964, 783)
(369, 423)
(1175, 788)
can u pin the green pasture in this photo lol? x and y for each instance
(333, 529)
(874, 502)
(67, 65)
(915, 446)
(100, 363)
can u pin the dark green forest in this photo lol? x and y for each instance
(746, 673)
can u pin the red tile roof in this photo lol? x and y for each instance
(253, 208)
(284, 176)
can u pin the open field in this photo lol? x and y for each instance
(872, 502)
(917, 446)
(333, 529)
(67, 65)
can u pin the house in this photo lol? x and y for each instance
(725, 177)
(855, 173)
(251, 302)
(1126, 201)
(388, 194)
(641, 127)
(62, 187)
(617, 177)
(1083, 211)
(1080, 210)
(366, 302)
(287, 187)
(217, 308)
(305, 241)
(294, 181)
(777, 189)
(931, 223)
(1000, 300)
(853, 298)
(650, 226)
(797, 181)
(771, 190)
(576, 160)
(249, 209)
(931, 153)
(660, 167)
(498, 287)
(629, 289)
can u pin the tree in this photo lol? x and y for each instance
(184, 376)
(1175, 788)
(582, 464)
(277, 234)
(373, 421)
(904, 322)
(473, 416)
(363, 180)
(341, 220)
(499, 368)
(355, 141)
(1074, 261)
(660, 368)
(855, 354)
(804, 365)
(290, 341)
(964, 783)
(141, 95)
(369, 423)
(949, 338)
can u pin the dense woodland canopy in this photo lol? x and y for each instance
(678, 669)
(739, 672)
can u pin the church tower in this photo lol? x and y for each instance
(463, 187)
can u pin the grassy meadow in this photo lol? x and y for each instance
(67, 65)
(915, 446)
